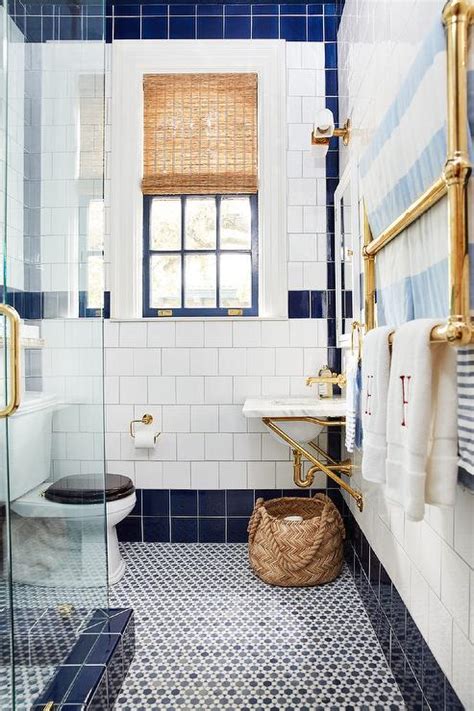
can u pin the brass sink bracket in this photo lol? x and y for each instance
(300, 452)
(345, 467)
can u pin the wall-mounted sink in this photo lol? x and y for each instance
(299, 407)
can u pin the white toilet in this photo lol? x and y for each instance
(60, 525)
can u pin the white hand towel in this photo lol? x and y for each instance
(442, 469)
(375, 377)
(421, 421)
(351, 411)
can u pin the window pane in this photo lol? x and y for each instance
(236, 281)
(95, 282)
(200, 223)
(200, 281)
(235, 223)
(165, 224)
(95, 226)
(165, 281)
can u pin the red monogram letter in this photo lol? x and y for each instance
(405, 396)
(368, 410)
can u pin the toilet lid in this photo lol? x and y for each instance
(89, 488)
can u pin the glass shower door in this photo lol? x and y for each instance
(53, 555)
(10, 400)
(6, 620)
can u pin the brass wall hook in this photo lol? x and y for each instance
(319, 138)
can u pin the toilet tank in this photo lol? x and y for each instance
(29, 445)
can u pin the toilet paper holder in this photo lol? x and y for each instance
(145, 420)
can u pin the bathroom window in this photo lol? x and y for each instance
(200, 255)
(190, 142)
(200, 181)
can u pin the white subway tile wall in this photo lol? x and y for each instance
(197, 401)
(306, 201)
(15, 229)
(71, 84)
(430, 562)
(191, 375)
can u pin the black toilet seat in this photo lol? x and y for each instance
(89, 488)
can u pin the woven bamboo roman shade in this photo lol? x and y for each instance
(200, 134)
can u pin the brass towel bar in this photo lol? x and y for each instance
(458, 329)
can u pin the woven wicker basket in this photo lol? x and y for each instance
(296, 553)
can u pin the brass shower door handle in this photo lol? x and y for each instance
(13, 316)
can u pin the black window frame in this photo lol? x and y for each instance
(149, 311)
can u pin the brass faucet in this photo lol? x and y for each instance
(338, 379)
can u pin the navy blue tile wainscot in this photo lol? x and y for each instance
(421, 680)
(204, 516)
(92, 674)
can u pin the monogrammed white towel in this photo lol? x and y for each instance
(421, 420)
(375, 376)
(351, 400)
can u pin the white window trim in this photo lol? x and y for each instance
(130, 61)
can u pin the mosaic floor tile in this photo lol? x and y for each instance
(210, 635)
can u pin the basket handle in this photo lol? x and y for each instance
(255, 519)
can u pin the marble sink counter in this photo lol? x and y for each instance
(294, 407)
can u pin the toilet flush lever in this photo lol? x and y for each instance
(145, 420)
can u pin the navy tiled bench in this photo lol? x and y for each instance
(92, 674)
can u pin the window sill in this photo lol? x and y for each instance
(195, 319)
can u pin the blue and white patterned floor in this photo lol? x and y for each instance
(211, 636)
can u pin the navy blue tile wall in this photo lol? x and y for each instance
(292, 21)
(205, 516)
(298, 304)
(419, 676)
(331, 22)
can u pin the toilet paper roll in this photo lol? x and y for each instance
(145, 439)
(297, 519)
